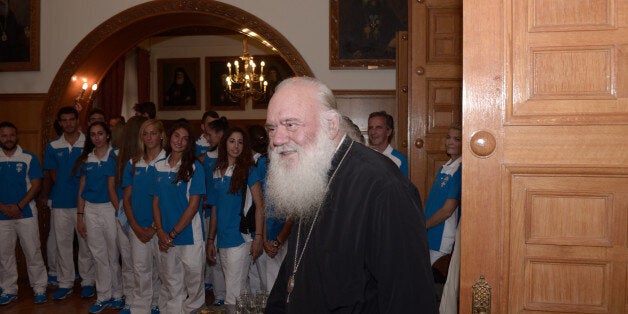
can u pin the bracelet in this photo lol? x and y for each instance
(278, 241)
(80, 213)
(211, 239)
(18, 206)
(258, 234)
(175, 233)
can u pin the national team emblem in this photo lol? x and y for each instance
(18, 168)
(443, 183)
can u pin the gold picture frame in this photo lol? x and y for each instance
(362, 33)
(172, 95)
(19, 35)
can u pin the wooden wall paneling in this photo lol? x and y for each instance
(403, 63)
(25, 111)
(435, 80)
(545, 204)
(567, 239)
(560, 75)
(358, 104)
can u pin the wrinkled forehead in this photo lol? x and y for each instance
(293, 102)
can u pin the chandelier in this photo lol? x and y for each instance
(243, 80)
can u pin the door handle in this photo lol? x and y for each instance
(481, 297)
(483, 143)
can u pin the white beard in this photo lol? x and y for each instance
(299, 189)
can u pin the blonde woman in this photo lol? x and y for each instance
(137, 204)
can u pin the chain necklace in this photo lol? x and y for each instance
(297, 256)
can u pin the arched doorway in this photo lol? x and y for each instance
(95, 54)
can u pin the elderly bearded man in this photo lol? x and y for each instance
(358, 243)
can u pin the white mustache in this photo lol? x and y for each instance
(285, 148)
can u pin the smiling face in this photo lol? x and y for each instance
(453, 143)
(293, 121)
(179, 140)
(378, 133)
(99, 136)
(303, 138)
(235, 143)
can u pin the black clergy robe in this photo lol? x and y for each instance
(368, 249)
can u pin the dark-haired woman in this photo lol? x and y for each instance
(213, 273)
(96, 214)
(177, 192)
(234, 177)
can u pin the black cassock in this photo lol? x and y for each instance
(368, 250)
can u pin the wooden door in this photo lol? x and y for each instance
(435, 75)
(545, 155)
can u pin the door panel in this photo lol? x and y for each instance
(545, 177)
(567, 239)
(435, 75)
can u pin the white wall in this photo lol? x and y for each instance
(305, 23)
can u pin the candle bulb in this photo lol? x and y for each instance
(84, 87)
(237, 66)
(265, 84)
(229, 66)
(262, 68)
(94, 87)
(261, 81)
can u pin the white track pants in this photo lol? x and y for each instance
(65, 226)
(100, 221)
(27, 230)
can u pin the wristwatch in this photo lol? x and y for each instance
(275, 243)
(154, 226)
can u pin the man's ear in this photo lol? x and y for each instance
(333, 124)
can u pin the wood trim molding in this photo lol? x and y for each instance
(18, 97)
(364, 92)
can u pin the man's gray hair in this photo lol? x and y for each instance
(324, 95)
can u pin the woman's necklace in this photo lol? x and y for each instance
(297, 256)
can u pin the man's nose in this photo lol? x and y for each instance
(280, 136)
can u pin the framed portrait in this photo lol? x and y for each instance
(276, 70)
(178, 81)
(19, 35)
(362, 32)
(215, 85)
